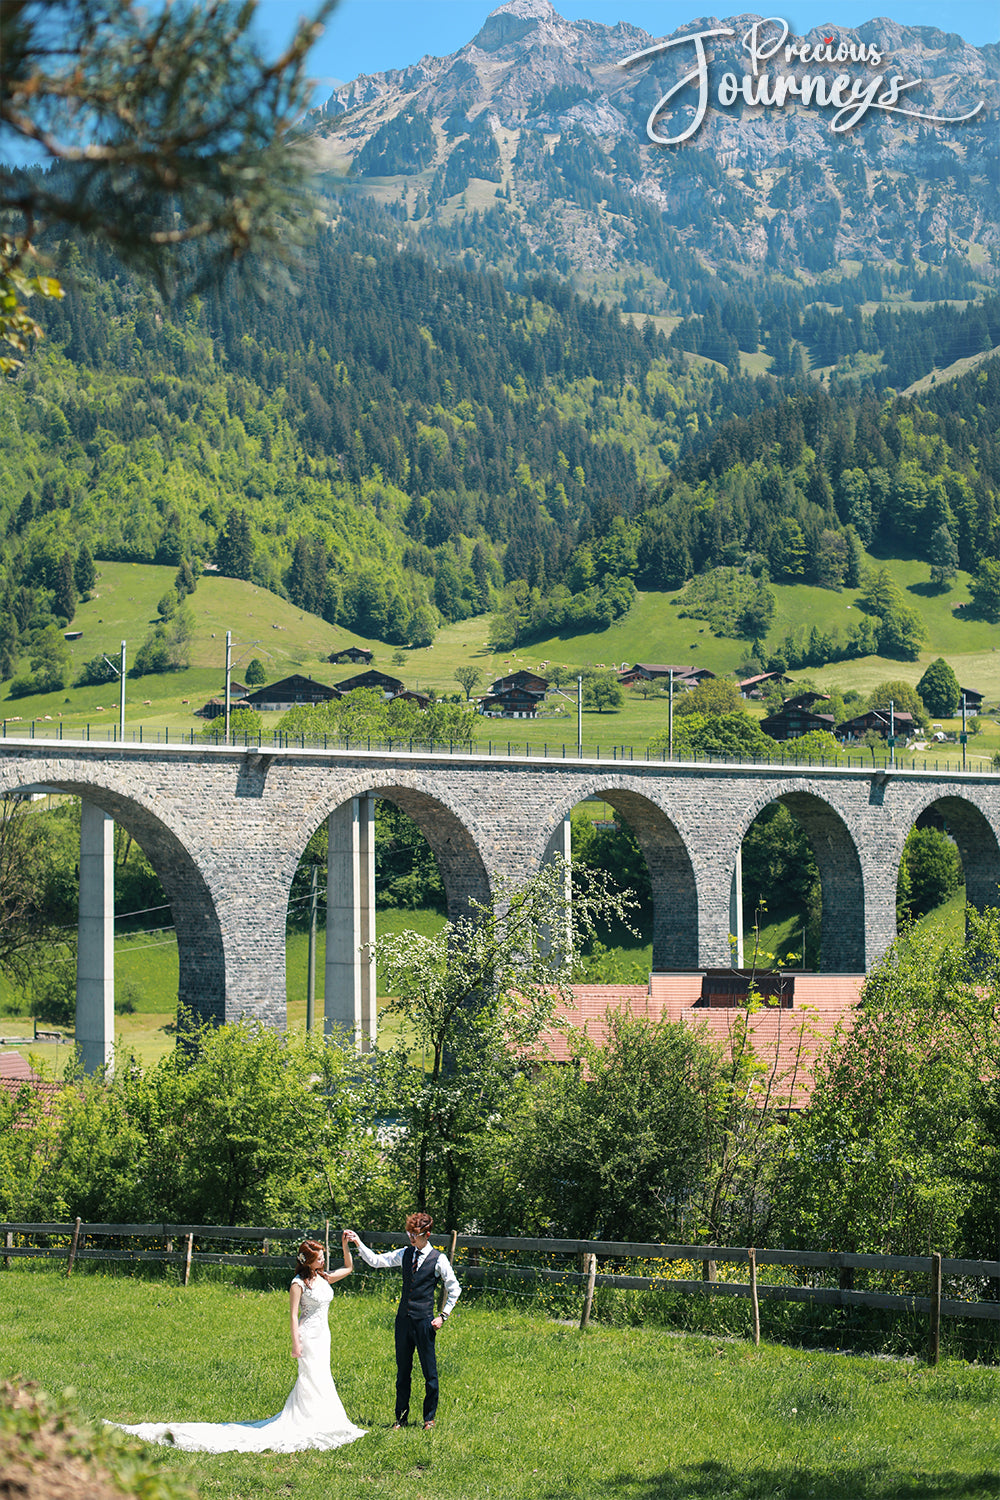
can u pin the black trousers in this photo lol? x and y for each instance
(415, 1334)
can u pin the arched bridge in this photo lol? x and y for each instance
(225, 829)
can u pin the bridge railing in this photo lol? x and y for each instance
(492, 748)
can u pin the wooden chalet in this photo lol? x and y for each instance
(283, 695)
(515, 696)
(791, 721)
(973, 701)
(386, 684)
(529, 682)
(512, 703)
(753, 687)
(410, 695)
(876, 721)
(685, 676)
(358, 656)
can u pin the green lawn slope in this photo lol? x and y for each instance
(531, 1408)
(288, 640)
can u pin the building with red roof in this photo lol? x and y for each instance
(791, 1028)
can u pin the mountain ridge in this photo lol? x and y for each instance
(530, 82)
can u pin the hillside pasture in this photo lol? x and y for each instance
(288, 640)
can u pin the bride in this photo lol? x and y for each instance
(313, 1416)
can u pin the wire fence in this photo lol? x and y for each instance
(619, 1281)
(278, 742)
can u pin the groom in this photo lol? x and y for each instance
(416, 1326)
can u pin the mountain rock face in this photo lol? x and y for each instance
(529, 148)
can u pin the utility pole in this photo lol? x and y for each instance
(965, 736)
(670, 717)
(119, 672)
(121, 696)
(311, 972)
(892, 733)
(579, 717)
(229, 666)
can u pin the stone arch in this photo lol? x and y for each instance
(840, 873)
(200, 949)
(671, 874)
(977, 841)
(463, 870)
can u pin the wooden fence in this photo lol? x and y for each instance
(174, 1244)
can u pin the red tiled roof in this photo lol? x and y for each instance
(16, 1072)
(788, 1042)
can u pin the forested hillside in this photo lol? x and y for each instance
(392, 444)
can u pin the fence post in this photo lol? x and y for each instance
(73, 1246)
(452, 1242)
(934, 1346)
(187, 1258)
(9, 1242)
(328, 1244)
(709, 1271)
(754, 1304)
(588, 1300)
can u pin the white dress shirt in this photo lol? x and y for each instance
(393, 1258)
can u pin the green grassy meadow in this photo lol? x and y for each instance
(288, 640)
(531, 1409)
(146, 975)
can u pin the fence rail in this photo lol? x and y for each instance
(509, 748)
(179, 1241)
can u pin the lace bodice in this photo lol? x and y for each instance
(315, 1300)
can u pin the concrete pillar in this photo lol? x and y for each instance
(560, 845)
(736, 911)
(95, 954)
(350, 922)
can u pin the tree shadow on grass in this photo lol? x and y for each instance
(715, 1481)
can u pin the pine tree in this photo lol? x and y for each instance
(64, 594)
(234, 546)
(84, 572)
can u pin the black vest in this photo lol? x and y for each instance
(417, 1300)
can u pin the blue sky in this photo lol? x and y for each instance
(368, 36)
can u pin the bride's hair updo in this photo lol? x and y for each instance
(309, 1259)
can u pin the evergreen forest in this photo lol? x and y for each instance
(392, 443)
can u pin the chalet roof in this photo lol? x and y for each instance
(659, 669)
(291, 689)
(806, 699)
(531, 682)
(512, 695)
(971, 695)
(752, 682)
(790, 1042)
(16, 1072)
(371, 679)
(352, 653)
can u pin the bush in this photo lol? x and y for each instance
(47, 1449)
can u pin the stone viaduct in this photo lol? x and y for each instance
(225, 828)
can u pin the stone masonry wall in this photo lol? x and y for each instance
(225, 829)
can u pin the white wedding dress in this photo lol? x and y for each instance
(312, 1417)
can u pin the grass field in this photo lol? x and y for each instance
(530, 1409)
(287, 640)
(146, 974)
